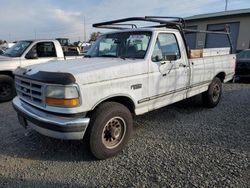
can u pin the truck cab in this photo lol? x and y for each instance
(25, 53)
(29, 52)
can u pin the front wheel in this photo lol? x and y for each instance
(110, 128)
(212, 96)
(7, 88)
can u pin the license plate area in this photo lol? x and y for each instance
(22, 121)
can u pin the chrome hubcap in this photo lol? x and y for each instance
(113, 132)
(216, 92)
(5, 90)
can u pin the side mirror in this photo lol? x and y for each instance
(31, 55)
(158, 58)
(170, 57)
(164, 58)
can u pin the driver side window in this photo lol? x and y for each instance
(166, 44)
(44, 49)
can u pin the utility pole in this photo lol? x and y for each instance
(84, 29)
(226, 5)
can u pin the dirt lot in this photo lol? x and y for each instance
(182, 145)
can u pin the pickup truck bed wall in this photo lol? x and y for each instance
(204, 69)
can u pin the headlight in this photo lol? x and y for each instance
(63, 96)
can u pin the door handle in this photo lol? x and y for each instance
(182, 65)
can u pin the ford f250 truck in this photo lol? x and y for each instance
(22, 54)
(126, 72)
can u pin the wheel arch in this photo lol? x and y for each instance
(7, 73)
(122, 99)
(221, 76)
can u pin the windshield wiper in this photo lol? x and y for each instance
(107, 55)
(122, 57)
(89, 56)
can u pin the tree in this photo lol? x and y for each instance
(94, 36)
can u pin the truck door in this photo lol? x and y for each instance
(41, 52)
(168, 80)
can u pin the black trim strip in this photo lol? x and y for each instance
(171, 92)
(199, 84)
(50, 126)
(229, 74)
(47, 77)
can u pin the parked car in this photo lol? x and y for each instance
(130, 71)
(25, 53)
(1, 51)
(242, 70)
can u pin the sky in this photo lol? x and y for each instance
(48, 19)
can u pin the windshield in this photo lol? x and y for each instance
(18, 49)
(121, 45)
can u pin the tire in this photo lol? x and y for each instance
(7, 88)
(213, 95)
(110, 127)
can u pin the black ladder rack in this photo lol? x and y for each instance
(163, 21)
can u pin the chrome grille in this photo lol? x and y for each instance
(30, 91)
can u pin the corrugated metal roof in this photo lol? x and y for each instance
(218, 14)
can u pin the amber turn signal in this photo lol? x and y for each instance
(68, 103)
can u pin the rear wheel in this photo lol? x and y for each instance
(212, 96)
(7, 88)
(110, 129)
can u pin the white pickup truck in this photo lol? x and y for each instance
(22, 54)
(126, 72)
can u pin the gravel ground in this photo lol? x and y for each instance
(182, 145)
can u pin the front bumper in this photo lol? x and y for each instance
(242, 75)
(56, 126)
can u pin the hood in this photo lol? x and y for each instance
(5, 58)
(90, 70)
(9, 63)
